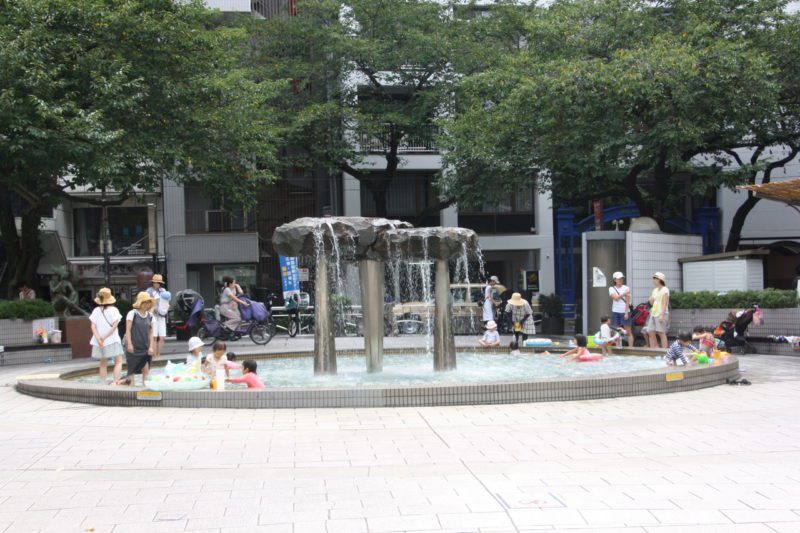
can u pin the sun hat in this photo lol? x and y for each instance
(491, 325)
(157, 278)
(618, 275)
(661, 276)
(495, 279)
(516, 299)
(104, 297)
(194, 343)
(141, 298)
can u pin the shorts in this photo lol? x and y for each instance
(657, 326)
(136, 363)
(160, 326)
(109, 351)
(618, 319)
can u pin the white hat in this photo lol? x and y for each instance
(618, 275)
(495, 279)
(194, 343)
(491, 325)
(659, 275)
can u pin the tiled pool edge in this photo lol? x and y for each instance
(610, 386)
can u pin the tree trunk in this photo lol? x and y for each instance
(8, 228)
(735, 234)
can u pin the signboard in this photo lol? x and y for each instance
(532, 280)
(290, 276)
(303, 274)
(675, 376)
(148, 396)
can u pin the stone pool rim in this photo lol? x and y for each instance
(645, 382)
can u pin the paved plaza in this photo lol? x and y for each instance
(725, 459)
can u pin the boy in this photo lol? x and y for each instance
(249, 376)
(607, 335)
(675, 352)
(490, 337)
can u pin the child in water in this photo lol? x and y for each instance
(249, 376)
(195, 357)
(675, 352)
(514, 347)
(580, 350)
(705, 340)
(607, 335)
(217, 360)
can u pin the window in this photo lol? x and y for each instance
(127, 227)
(514, 214)
(408, 194)
(205, 214)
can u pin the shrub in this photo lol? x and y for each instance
(551, 305)
(768, 299)
(26, 309)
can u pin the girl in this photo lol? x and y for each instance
(105, 342)
(249, 376)
(229, 303)
(139, 339)
(580, 352)
(490, 337)
(706, 340)
(521, 317)
(216, 360)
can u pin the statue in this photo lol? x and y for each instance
(63, 295)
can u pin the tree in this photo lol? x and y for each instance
(373, 72)
(117, 95)
(622, 98)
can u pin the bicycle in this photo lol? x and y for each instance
(212, 330)
(303, 323)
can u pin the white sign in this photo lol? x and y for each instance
(598, 278)
(303, 272)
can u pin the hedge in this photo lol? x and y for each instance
(26, 309)
(768, 299)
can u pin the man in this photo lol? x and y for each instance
(26, 293)
(160, 312)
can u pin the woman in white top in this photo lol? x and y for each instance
(229, 303)
(105, 342)
(488, 299)
(620, 295)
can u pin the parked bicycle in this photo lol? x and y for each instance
(255, 323)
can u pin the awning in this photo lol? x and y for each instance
(52, 253)
(787, 191)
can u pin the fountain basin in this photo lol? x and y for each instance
(407, 381)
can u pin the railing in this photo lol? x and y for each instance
(218, 221)
(421, 141)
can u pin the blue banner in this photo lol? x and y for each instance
(290, 276)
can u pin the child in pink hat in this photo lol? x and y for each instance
(490, 339)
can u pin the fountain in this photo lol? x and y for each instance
(373, 242)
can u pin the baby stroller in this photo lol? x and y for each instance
(733, 330)
(191, 305)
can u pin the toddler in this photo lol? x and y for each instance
(232, 364)
(514, 347)
(580, 349)
(675, 352)
(216, 360)
(249, 376)
(490, 337)
(606, 335)
(195, 357)
(705, 340)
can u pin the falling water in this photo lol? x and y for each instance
(427, 296)
(338, 277)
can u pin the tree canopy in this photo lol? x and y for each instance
(628, 99)
(119, 94)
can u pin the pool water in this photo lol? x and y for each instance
(405, 370)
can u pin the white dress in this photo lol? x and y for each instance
(488, 304)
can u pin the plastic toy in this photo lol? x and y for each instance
(177, 377)
(538, 342)
(702, 357)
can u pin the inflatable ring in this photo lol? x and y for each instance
(532, 343)
(589, 357)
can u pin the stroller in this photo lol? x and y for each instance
(733, 330)
(192, 306)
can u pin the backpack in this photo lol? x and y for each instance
(641, 314)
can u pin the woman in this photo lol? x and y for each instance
(139, 339)
(229, 303)
(488, 299)
(521, 317)
(620, 295)
(105, 342)
(658, 322)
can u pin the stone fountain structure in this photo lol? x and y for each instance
(373, 242)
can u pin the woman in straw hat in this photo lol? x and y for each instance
(521, 317)
(161, 298)
(139, 338)
(105, 342)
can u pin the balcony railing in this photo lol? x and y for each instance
(421, 142)
(219, 221)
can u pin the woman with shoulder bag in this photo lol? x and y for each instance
(105, 342)
(621, 315)
(139, 339)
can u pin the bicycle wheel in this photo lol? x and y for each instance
(261, 334)
(205, 336)
(294, 328)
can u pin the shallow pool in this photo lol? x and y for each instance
(403, 370)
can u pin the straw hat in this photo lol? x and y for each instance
(661, 276)
(195, 342)
(516, 299)
(141, 298)
(104, 297)
(491, 325)
(157, 278)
